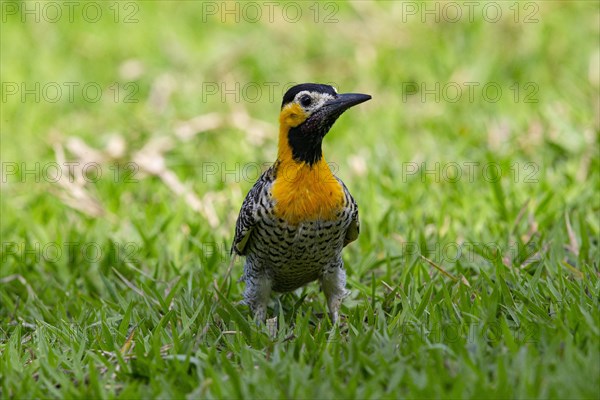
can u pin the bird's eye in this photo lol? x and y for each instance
(305, 100)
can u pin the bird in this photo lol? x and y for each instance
(298, 216)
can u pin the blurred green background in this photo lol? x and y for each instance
(173, 106)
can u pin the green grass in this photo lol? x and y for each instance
(475, 285)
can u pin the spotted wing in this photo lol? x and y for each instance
(351, 206)
(249, 216)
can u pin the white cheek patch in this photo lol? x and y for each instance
(318, 99)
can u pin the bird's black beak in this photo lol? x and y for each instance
(330, 111)
(344, 101)
(321, 120)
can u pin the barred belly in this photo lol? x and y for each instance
(292, 256)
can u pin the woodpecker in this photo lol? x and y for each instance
(298, 216)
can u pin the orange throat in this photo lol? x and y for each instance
(304, 192)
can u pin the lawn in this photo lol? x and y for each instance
(131, 132)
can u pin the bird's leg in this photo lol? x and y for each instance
(333, 283)
(257, 294)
